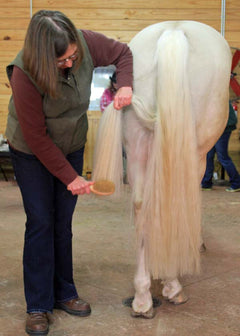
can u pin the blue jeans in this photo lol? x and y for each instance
(221, 148)
(47, 256)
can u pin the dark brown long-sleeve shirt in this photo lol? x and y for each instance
(28, 102)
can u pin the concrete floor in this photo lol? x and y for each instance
(104, 265)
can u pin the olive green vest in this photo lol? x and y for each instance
(66, 116)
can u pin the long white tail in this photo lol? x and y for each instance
(170, 214)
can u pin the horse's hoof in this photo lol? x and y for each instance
(179, 298)
(147, 315)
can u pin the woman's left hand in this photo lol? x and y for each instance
(123, 97)
(79, 186)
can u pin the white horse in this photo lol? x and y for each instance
(179, 110)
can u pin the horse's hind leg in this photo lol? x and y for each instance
(173, 292)
(137, 146)
(142, 304)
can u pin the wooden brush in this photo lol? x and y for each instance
(103, 187)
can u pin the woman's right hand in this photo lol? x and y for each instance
(79, 186)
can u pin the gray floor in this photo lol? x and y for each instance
(104, 265)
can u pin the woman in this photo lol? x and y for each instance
(46, 132)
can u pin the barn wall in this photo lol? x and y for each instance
(119, 19)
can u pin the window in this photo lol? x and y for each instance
(100, 82)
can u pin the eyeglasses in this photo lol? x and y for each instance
(70, 58)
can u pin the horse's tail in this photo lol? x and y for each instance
(170, 214)
(107, 162)
(107, 158)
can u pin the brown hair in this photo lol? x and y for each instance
(48, 37)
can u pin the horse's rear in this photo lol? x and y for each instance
(180, 108)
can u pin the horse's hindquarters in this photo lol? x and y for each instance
(180, 64)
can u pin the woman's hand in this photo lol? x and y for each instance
(123, 97)
(79, 186)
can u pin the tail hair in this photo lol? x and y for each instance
(170, 214)
(107, 160)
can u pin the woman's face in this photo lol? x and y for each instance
(66, 60)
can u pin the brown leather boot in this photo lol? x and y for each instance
(75, 307)
(37, 324)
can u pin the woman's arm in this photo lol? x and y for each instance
(106, 51)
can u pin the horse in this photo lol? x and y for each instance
(179, 109)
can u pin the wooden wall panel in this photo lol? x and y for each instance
(13, 34)
(232, 24)
(14, 19)
(156, 14)
(17, 23)
(14, 4)
(116, 4)
(119, 19)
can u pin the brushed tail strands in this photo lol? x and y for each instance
(107, 163)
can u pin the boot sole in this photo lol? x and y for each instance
(83, 313)
(37, 333)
